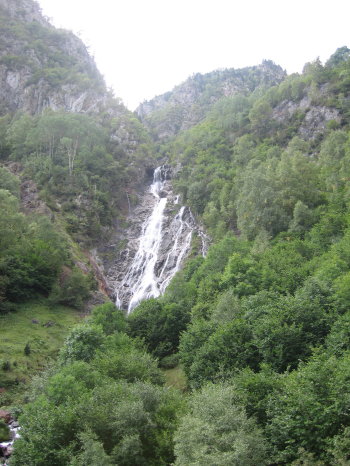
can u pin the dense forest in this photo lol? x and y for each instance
(245, 360)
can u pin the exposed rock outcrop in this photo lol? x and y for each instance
(315, 117)
(25, 10)
(43, 67)
(29, 193)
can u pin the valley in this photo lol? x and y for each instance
(174, 282)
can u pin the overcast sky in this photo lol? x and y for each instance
(146, 47)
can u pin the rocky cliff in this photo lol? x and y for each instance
(24, 10)
(42, 67)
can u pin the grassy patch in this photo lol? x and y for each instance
(176, 378)
(30, 338)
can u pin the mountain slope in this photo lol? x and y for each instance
(188, 103)
(72, 157)
(42, 67)
(260, 326)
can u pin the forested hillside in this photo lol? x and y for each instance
(72, 158)
(187, 104)
(263, 335)
(245, 360)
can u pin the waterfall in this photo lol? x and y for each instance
(141, 278)
(163, 243)
(174, 257)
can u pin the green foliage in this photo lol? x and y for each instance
(230, 347)
(80, 172)
(4, 432)
(210, 89)
(82, 343)
(119, 358)
(130, 420)
(340, 56)
(265, 300)
(159, 325)
(27, 349)
(32, 252)
(231, 113)
(338, 339)
(284, 266)
(264, 317)
(241, 275)
(73, 289)
(109, 318)
(316, 395)
(255, 389)
(48, 59)
(260, 117)
(195, 337)
(217, 431)
(9, 182)
(91, 453)
(340, 449)
(271, 190)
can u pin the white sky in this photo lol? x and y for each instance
(146, 47)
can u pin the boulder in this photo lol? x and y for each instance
(5, 415)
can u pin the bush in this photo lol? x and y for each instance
(73, 289)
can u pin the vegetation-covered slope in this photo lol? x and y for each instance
(187, 104)
(264, 316)
(71, 158)
(260, 326)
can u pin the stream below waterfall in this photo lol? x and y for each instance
(6, 448)
(162, 244)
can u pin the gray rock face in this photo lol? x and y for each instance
(286, 109)
(315, 118)
(29, 193)
(42, 67)
(26, 10)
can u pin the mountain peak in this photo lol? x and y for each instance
(188, 103)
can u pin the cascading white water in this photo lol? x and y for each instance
(141, 276)
(174, 257)
(164, 241)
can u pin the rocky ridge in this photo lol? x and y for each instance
(188, 103)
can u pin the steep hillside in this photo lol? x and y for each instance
(257, 331)
(188, 103)
(72, 159)
(42, 67)
(261, 326)
(248, 136)
(66, 131)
